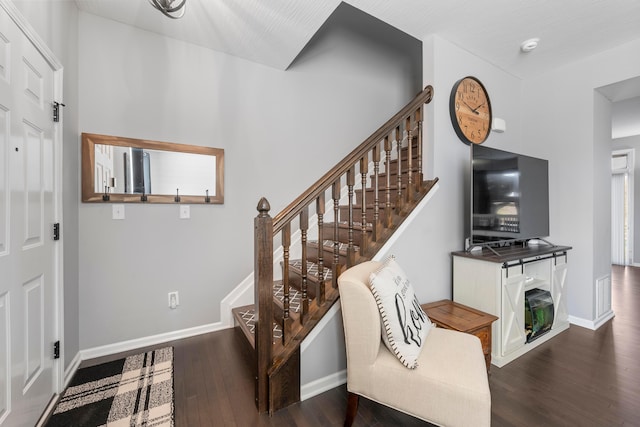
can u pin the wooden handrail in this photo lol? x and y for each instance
(306, 198)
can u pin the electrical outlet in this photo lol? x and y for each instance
(174, 300)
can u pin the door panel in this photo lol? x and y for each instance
(33, 82)
(561, 314)
(34, 331)
(513, 333)
(32, 185)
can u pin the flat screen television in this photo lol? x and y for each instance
(509, 196)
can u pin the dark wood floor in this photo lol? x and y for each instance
(580, 378)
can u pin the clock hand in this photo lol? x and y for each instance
(472, 110)
(475, 110)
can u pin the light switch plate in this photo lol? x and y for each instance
(185, 211)
(117, 211)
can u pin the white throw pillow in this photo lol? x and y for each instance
(405, 325)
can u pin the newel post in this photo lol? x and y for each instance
(263, 293)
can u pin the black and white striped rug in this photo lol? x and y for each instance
(135, 391)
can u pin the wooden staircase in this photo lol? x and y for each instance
(369, 194)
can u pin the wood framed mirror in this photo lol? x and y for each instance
(128, 170)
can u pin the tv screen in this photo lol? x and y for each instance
(509, 196)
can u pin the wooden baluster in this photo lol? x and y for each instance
(286, 243)
(387, 207)
(320, 206)
(407, 126)
(304, 226)
(420, 177)
(398, 137)
(263, 297)
(335, 267)
(364, 169)
(376, 189)
(351, 180)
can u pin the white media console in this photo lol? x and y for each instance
(495, 281)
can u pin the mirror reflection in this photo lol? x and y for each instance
(117, 169)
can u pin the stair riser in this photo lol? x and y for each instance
(394, 179)
(327, 254)
(393, 167)
(295, 281)
(404, 147)
(357, 213)
(382, 195)
(343, 233)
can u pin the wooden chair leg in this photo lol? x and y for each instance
(352, 409)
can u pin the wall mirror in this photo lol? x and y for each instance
(117, 169)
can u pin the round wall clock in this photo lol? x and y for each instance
(470, 110)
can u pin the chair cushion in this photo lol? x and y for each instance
(450, 386)
(404, 324)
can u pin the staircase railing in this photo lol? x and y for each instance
(362, 223)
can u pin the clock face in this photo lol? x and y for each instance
(470, 110)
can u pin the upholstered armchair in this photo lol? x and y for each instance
(449, 386)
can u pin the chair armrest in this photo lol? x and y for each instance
(360, 315)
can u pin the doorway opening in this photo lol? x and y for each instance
(622, 164)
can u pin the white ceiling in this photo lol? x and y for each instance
(273, 32)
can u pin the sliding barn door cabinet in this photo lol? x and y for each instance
(508, 283)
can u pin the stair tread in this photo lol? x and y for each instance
(345, 224)
(329, 244)
(312, 269)
(247, 316)
(369, 206)
(295, 296)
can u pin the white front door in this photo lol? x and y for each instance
(28, 254)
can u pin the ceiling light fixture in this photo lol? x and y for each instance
(168, 9)
(529, 45)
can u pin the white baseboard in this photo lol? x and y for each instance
(579, 321)
(114, 348)
(592, 324)
(604, 319)
(314, 388)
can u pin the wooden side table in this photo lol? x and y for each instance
(452, 315)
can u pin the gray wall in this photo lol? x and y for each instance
(281, 131)
(56, 24)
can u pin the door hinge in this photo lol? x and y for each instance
(56, 231)
(56, 110)
(56, 350)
